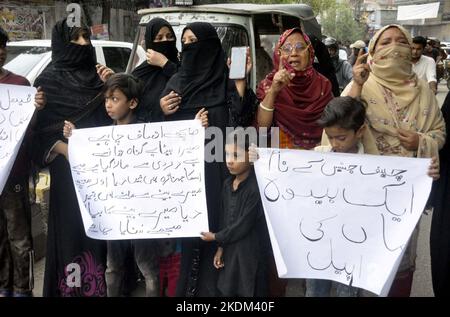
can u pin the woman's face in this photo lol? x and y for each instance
(389, 37)
(82, 39)
(164, 35)
(295, 51)
(188, 37)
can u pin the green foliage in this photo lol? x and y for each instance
(338, 22)
(320, 6)
(337, 19)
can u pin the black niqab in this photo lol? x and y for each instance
(202, 78)
(71, 85)
(154, 77)
(67, 55)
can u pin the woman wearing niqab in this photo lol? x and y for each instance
(73, 90)
(202, 82)
(154, 77)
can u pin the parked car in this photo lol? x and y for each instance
(237, 24)
(29, 58)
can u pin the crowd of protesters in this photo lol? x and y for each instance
(376, 97)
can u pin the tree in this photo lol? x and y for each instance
(339, 23)
(320, 6)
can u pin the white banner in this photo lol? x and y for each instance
(16, 111)
(419, 11)
(341, 217)
(140, 181)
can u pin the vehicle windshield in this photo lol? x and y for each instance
(230, 35)
(22, 59)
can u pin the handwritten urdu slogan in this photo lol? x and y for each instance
(141, 180)
(16, 111)
(341, 217)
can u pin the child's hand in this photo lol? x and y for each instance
(218, 261)
(208, 236)
(433, 169)
(253, 155)
(202, 115)
(67, 130)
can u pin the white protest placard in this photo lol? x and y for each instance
(16, 111)
(140, 181)
(341, 217)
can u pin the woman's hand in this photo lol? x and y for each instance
(218, 260)
(208, 236)
(155, 58)
(202, 115)
(170, 103)
(282, 77)
(39, 99)
(408, 139)
(433, 169)
(361, 70)
(241, 84)
(249, 63)
(68, 128)
(104, 72)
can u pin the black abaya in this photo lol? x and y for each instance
(70, 82)
(154, 77)
(202, 81)
(440, 225)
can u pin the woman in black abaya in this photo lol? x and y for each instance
(72, 86)
(324, 64)
(440, 225)
(160, 66)
(202, 82)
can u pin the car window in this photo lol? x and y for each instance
(230, 36)
(25, 62)
(117, 58)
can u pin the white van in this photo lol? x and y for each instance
(237, 24)
(29, 58)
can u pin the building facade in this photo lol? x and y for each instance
(34, 19)
(438, 27)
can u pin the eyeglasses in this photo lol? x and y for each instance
(299, 47)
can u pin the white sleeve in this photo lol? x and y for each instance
(431, 71)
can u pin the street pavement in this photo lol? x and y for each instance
(422, 286)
